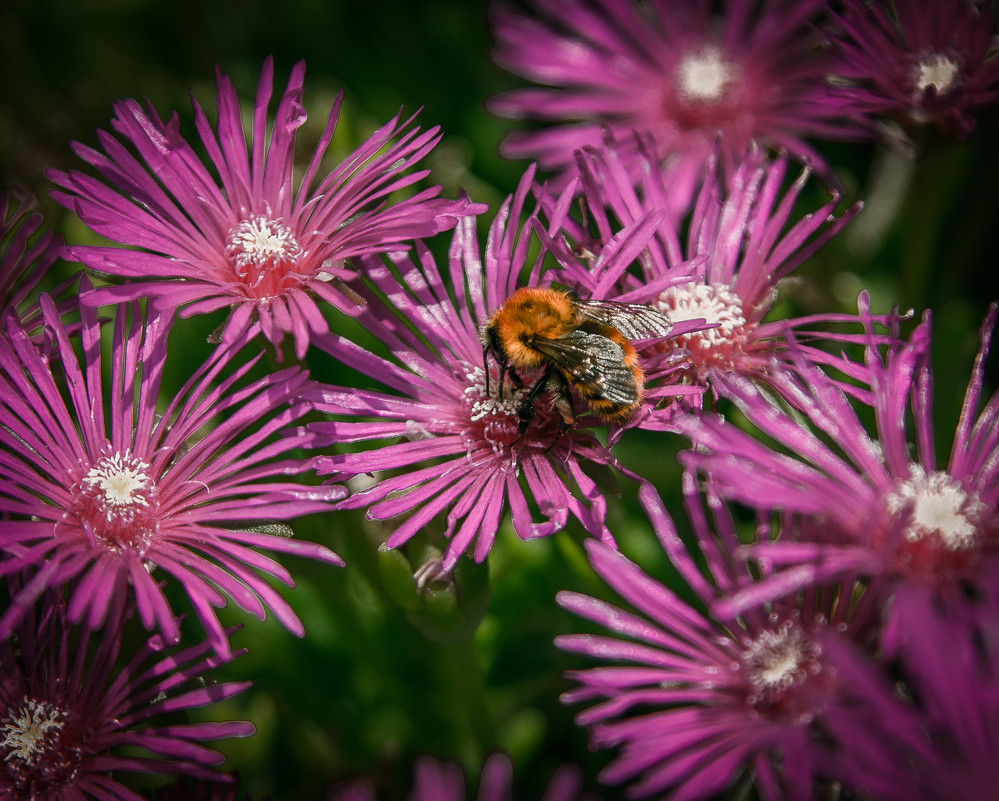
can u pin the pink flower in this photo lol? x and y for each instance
(845, 503)
(125, 495)
(927, 63)
(452, 443)
(253, 244)
(693, 701)
(723, 264)
(676, 69)
(73, 716)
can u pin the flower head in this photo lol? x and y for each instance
(677, 70)
(846, 503)
(740, 244)
(464, 442)
(248, 241)
(694, 701)
(123, 495)
(949, 659)
(926, 64)
(73, 716)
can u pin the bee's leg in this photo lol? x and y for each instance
(485, 366)
(563, 405)
(525, 411)
(504, 367)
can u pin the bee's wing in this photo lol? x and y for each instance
(633, 320)
(594, 363)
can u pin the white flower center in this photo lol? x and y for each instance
(120, 481)
(260, 242)
(482, 405)
(936, 70)
(716, 303)
(26, 729)
(493, 419)
(941, 508)
(775, 660)
(704, 75)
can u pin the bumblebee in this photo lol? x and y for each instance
(578, 343)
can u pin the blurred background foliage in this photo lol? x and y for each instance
(386, 673)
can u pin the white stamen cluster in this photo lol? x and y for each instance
(716, 303)
(776, 660)
(121, 482)
(941, 508)
(26, 729)
(704, 75)
(936, 70)
(493, 419)
(259, 241)
(482, 405)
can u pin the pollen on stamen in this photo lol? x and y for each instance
(494, 418)
(777, 660)
(704, 75)
(116, 504)
(119, 482)
(262, 251)
(936, 70)
(942, 509)
(719, 306)
(26, 730)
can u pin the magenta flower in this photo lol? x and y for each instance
(845, 503)
(456, 445)
(925, 64)
(949, 658)
(26, 257)
(253, 244)
(442, 781)
(740, 244)
(73, 717)
(129, 494)
(675, 69)
(694, 701)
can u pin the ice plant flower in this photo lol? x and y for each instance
(434, 780)
(695, 701)
(26, 256)
(129, 494)
(678, 70)
(458, 444)
(924, 64)
(250, 241)
(846, 503)
(949, 660)
(76, 713)
(740, 244)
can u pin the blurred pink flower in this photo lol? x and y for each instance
(688, 72)
(929, 63)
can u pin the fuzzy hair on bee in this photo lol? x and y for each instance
(581, 344)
